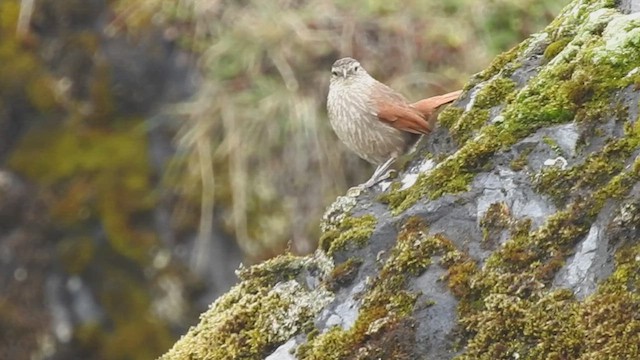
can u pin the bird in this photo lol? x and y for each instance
(373, 120)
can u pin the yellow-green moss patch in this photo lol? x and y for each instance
(384, 328)
(525, 321)
(343, 274)
(496, 219)
(597, 169)
(555, 47)
(267, 308)
(507, 311)
(521, 160)
(353, 231)
(579, 85)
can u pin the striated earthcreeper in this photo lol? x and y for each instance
(373, 120)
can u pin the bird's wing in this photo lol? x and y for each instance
(394, 110)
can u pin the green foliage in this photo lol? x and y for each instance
(597, 169)
(343, 274)
(99, 173)
(23, 80)
(90, 167)
(133, 333)
(76, 254)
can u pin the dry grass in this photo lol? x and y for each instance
(255, 143)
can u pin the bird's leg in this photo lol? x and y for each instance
(380, 172)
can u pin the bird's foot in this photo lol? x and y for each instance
(376, 179)
(381, 173)
(356, 190)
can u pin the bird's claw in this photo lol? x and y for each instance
(376, 179)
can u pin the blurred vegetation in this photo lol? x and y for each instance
(254, 153)
(260, 118)
(89, 158)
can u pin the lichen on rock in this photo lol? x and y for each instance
(275, 301)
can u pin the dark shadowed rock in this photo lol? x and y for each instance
(25, 259)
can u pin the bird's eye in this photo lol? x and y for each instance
(335, 73)
(356, 68)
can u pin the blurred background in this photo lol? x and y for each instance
(148, 147)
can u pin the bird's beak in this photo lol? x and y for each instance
(344, 73)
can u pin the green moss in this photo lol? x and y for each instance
(460, 270)
(521, 160)
(505, 64)
(141, 335)
(9, 14)
(453, 175)
(597, 169)
(495, 92)
(260, 313)
(504, 308)
(281, 268)
(496, 219)
(76, 254)
(553, 145)
(132, 325)
(384, 326)
(351, 231)
(101, 96)
(537, 251)
(557, 94)
(343, 274)
(507, 309)
(516, 328)
(468, 123)
(90, 336)
(40, 94)
(450, 116)
(617, 188)
(610, 330)
(24, 82)
(555, 48)
(385, 197)
(523, 320)
(331, 345)
(463, 124)
(85, 40)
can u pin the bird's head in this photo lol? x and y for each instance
(346, 68)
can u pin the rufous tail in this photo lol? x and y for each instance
(429, 106)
